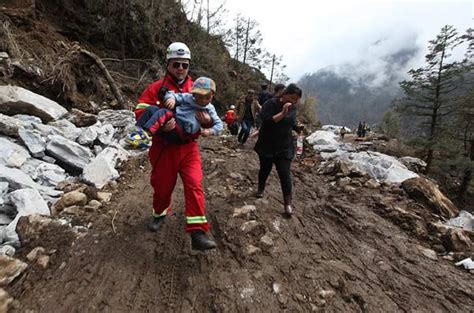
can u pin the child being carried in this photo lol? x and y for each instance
(186, 106)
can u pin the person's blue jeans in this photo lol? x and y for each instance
(245, 125)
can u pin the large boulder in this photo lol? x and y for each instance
(427, 193)
(74, 156)
(381, 167)
(101, 170)
(465, 221)
(16, 178)
(33, 141)
(322, 138)
(44, 173)
(26, 202)
(105, 134)
(413, 164)
(9, 126)
(68, 129)
(48, 130)
(88, 136)
(17, 100)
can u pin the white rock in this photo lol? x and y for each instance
(47, 130)
(88, 136)
(33, 141)
(3, 189)
(5, 220)
(246, 209)
(465, 220)
(69, 130)
(17, 100)
(321, 137)
(335, 129)
(17, 179)
(105, 134)
(7, 250)
(11, 153)
(101, 169)
(69, 153)
(28, 120)
(117, 118)
(26, 202)
(276, 287)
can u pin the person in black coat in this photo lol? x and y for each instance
(275, 141)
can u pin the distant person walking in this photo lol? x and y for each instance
(264, 94)
(359, 130)
(275, 142)
(365, 129)
(342, 132)
(230, 120)
(246, 115)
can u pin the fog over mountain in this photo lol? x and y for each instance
(363, 90)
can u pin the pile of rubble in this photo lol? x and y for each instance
(381, 167)
(432, 215)
(45, 152)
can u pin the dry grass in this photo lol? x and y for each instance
(8, 41)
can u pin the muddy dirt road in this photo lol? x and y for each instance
(337, 254)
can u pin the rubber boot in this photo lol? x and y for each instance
(200, 241)
(287, 206)
(155, 223)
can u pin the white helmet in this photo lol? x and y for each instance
(178, 50)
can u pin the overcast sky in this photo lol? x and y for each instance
(314, 34)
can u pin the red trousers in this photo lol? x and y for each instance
(167, 161)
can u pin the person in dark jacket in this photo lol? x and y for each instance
(264, 95)
(275, 141)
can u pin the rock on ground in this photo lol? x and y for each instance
(33, 141)
(71, 154)
(426, 192)
(17, 100)
(10, 269)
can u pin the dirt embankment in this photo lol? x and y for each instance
(337, 254)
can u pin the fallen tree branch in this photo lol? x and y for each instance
(110, 80)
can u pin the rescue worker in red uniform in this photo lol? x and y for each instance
(168, 159)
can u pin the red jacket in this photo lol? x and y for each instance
(150, 97)
(229, 117)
